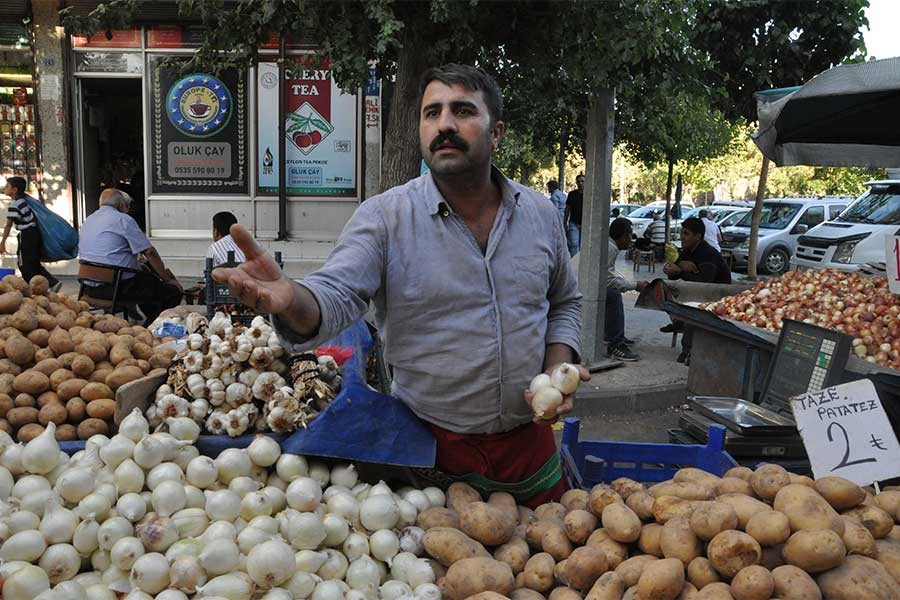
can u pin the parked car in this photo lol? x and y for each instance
(781, 222)
(855, 236)
(625, 209)
(716, 212)
(642, 217)
(728, 218)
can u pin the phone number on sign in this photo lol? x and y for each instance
(199, 170)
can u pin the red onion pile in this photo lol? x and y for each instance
(862, 307)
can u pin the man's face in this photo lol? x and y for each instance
(689, 239)
(216, 236)
(579, 182)
(9, 190)
(455, 131)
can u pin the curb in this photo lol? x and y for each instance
(632, 400)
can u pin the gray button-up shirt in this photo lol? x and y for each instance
(464, 330)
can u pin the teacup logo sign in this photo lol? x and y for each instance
(306, 128)
(199, 105)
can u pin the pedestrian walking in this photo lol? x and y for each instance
(713, 235)
(558, 198)
(572, 216)
(20, 214)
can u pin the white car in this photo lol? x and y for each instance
(642, 217)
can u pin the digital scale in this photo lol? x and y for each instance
(807, 358)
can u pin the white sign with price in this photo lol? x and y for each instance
(892, 262)
(847, 433)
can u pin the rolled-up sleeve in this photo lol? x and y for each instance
(349, 279)
(564, 317)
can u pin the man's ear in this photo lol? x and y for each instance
(497, 133)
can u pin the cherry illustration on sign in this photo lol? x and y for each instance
(306, 128)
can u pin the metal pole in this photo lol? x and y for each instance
(282, 160)
(593, 257)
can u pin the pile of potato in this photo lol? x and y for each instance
(62, 364)
(749, 535)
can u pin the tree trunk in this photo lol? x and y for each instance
(561, 157)
(402, 157)
(754, 223)
(669, 198)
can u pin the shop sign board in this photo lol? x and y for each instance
(174, 36)
(199, 140)
(847, 433)
(118, 38)
(321, 131)
(109, 62)
(892, 260)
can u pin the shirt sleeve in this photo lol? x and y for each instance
(137, 239)
(349, 279)
(12, 211)
(564, 317)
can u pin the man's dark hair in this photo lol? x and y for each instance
(223, 221)
(552, 185)
(703, 213)
(694, 225)
(19, 184)
(619, 227)
(470, 78)
(615, 212)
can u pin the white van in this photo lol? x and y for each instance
(856, 236)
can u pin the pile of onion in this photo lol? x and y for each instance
(860, 306)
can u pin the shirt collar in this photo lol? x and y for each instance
(509, 197)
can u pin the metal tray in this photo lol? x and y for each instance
(742, 417)
(740, 446)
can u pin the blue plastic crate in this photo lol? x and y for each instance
(587, 463)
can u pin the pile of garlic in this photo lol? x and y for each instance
(144, 516)
(232, 379)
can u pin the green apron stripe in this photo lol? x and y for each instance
(546, 477)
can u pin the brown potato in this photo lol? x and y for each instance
(609, 586)
(614, 551)
(55, 413)
(58, 377)
(443, 543)
(31, 382)
(6, 403)
(630, 570)
(621, 523)
(25, 400)
(669, 507)
(694, 475)
(677, 540)
(752, 583)
(711, 518)
(458, 494)
(564, 593)
(814, 550)
(579, 524)
(39, 285)
(122, 375)
(10, 302)
(661, 580)
(840, 493)
(90, 427)
(575, 500)
(686, 491)
(47, 322)
(715, 591)
(28, 432)
(437, 516)
(19, 350)
(641, 503)
(701, 573)
(486, 523)
(100, 375)
(6, 381)
(744, 473)
(806, 509)
(625, 487)
(793, 583)
(142, 351)
(47, 366)
(46, 398)
(858, 578)
(105, 409)
(802, 480)
(515, 553)
(43, 354)
(888, 501)
(119, 353)
(93, 350)
(523, 593)
(744, 506)
(539, 572)
(5, 426)
(39, 337)
(857, 539)
(888, 554)
(76, 409)
(601, 497)
(534, 531)
(21, 416)
(769, 528)
(70, 388)
(67, 359)
(731, 551)
(768, 479)
(82, 366)
(648, 542)
(8, 367)
(96, 391)
(24, 320)
(878, 522)
(471, 576)
(556, 543)
(584, 566)
(734, 485)
(550, 510)
(66, 433)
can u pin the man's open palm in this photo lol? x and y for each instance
(258, 282)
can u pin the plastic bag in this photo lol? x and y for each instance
(59, 240)
(671, 253)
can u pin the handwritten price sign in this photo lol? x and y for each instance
(847, 433)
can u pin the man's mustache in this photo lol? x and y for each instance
(449, 138)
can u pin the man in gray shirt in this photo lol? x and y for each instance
(473, 290)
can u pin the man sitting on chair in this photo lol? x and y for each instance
(222, 242)
(618, 344)
(111, 237)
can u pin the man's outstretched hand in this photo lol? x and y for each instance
(258, 282)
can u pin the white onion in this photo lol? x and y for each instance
(344, 505)
(11, 459)
(99, 591)
(309, 561)
(100, 560)
(219, 530)
(379, 512)
(26, 583)
(61, 562)
(168, 498)
(7, 568)
(75, 484)
(223, 505)
(330, 590)
(195, 497)
(26, 545)
(418, 499)
(131, 506)
(149, 452)
(408, 514)
(171, 595)
(334, 567)
(244, 485)
(96, 505)
(344, 475)
(125, 551)
(202, 472)
(219, 557)
(401, 564)
(22, 520)
(291, 466)
(276, 497)
(384, 545)
(249, 537)
(87, 579)
(119, 448)
(28, 486)
(355, 546)
(427, 591)
(304, 494)
(395, 590)
(41, 454)
(165, 471)
(108, 490)
(232, 463)
(185, 455)
(112, 530)
(270, 563)
(70, 590)
(380, 488)
(150, 573)
(157, 533)
(362, 574)
(305, 531)
(266, 523)
(336, 530)
(58, 525)
(129, 477)
(85, 537)
(234, 586)
(190, 522)
(412, 539)
(302, 584)
(185, 547)
(186, 573)
(134, 426)
(183, 428)
(264, 451)
(278, 594)
(6, 483)
(419, 572)
(273, 480)
(320, 472)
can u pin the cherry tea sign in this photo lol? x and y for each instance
(321, 131)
